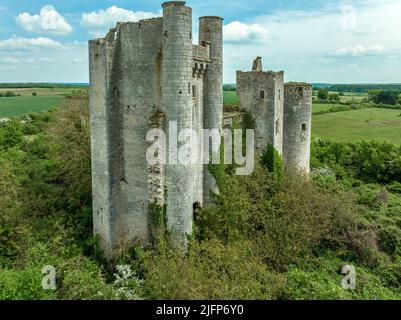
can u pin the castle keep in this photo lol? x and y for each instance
(149, 75)
(282, 113)
(144, 75)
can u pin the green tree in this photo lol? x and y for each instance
(272, 160)
(323, 94)
(9, 94)
(385, 97)
(334, 97)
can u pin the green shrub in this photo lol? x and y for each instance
(272, 160)
(320, 279)
(368, 161)
(14, 234)
(10, 134)
(9, 94)
(30, 129)
(323, 94)
(23, 285)
(211, 270)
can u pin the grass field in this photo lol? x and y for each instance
(318, 107)
(231, 98)
(16, 106)
(363, 124)
(40, 91)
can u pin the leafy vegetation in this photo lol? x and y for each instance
(364, 87)
(263, 238)
(323, 94)
(42, 85)
(385, 97)
(7, 94)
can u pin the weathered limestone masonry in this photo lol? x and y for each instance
(143, 76)
(297, 125)
(211, 35)
(282, 113)
(261, 94)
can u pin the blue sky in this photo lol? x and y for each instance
(340, 41)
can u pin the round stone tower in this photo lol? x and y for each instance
(297, 125)
(211, 34)
(177, 106)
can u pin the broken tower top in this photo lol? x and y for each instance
(257, 64)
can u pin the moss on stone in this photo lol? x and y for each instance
(158, 220)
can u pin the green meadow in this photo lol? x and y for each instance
(362, 124)
(231, 98)
(349, 126)
(16, 106)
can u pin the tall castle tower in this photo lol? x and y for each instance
(149, 75)
(282, 113)
(297, 125)
(261, 94)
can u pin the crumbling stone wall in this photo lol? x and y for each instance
(144, 75)
(282, 113)
(261, 94)
(297, 125)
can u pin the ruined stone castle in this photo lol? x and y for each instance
(282, 113)
(147, 75)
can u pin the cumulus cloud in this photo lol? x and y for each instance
(241, 32)
(358, 51)
(48, 21)
(29, 43)
(107, 18)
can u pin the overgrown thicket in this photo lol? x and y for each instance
(366, 161)
(267, 236)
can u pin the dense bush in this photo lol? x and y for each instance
(7, 94)
(263, 238)
(212, 270)
(323, 94)
(367, 161)
(384, 97)
(273, 162)
(10, 134)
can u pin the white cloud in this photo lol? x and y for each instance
(358, 51)
(7, 60)
(29, 43)
(241, 32)
(107, 18)
(48, 21)
(78, 61)
(30, 61)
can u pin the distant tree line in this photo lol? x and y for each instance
(364, 88)
(385, 97)
(8, 94)
(42, 85)
(229, 87)
(325, 95)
